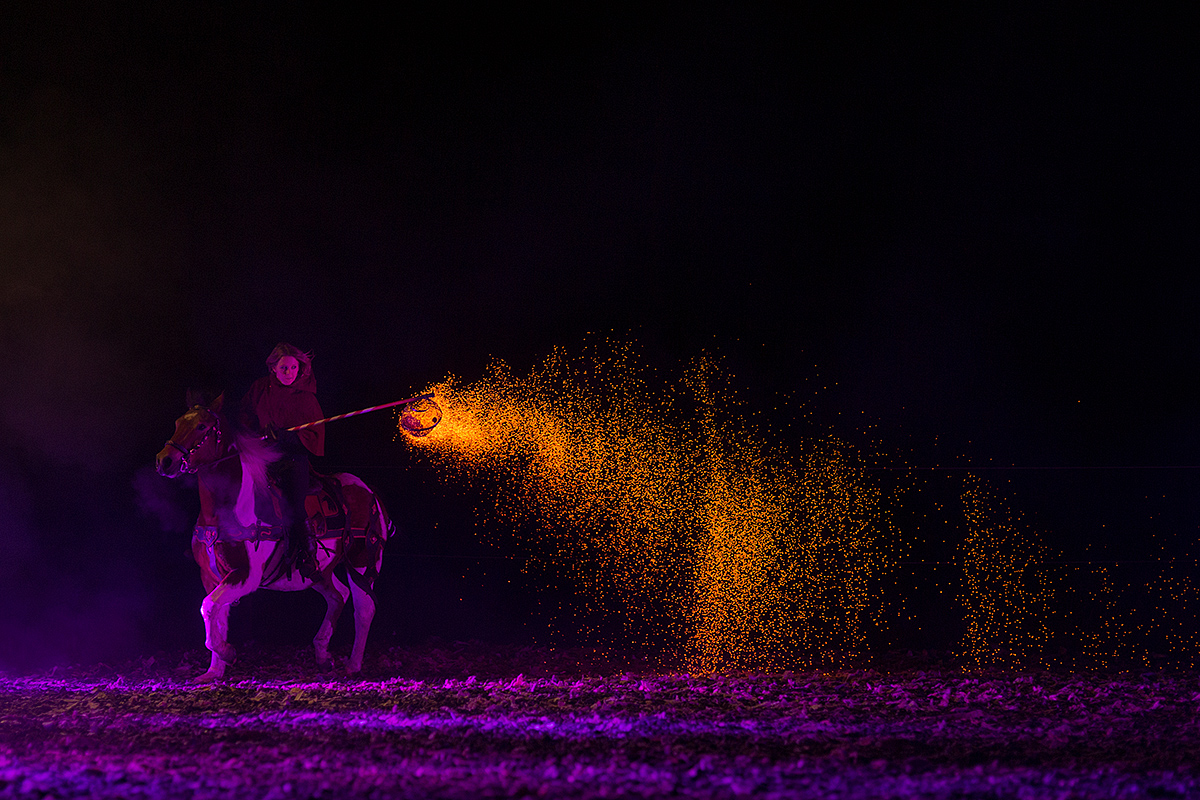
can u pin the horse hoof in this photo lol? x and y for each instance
(325, 666)
(208, 677)
(225, 651)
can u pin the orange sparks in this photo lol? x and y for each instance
(664, 504)
(662, 499)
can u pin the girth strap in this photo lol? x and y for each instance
(209, 535)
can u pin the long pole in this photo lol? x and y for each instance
(362, 411)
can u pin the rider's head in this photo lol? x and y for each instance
(288, 364)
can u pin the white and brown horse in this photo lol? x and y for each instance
(240, 537)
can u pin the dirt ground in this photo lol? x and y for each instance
(470, 720)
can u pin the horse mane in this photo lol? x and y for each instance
(256, 454)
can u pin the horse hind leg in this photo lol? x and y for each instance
(335, 593)
(363, 592)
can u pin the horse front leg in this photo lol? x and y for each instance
(335, 593)
(244, 578)
(216, 638)
(216, 629)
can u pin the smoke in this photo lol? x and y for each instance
(163, 500)
(66, 597)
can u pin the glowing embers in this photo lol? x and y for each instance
(661, 501)
(664, 505)
(1007, 596)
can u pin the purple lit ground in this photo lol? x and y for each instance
(476, 721)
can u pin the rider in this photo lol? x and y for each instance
(283, 398)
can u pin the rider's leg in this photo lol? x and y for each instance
(294, 483)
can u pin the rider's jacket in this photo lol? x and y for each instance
(269, 402)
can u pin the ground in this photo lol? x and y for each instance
(470, 720)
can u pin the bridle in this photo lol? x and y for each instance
(185, 464)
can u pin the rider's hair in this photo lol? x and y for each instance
(284, 349)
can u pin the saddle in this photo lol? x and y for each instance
(337, 510)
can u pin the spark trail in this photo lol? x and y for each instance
(661, 498)
(668, 506)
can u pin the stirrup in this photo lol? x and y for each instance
(306, 564)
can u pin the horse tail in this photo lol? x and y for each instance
(387, 527)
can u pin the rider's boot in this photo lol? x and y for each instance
(305, 560)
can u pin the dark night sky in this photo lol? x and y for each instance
(982, 227)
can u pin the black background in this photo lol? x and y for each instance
(975, 230)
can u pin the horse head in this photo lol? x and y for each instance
(197, 439)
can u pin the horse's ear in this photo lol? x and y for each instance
(199, 397)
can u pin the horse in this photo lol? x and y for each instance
(238, 536)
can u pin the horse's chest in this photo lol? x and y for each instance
(228, 561)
